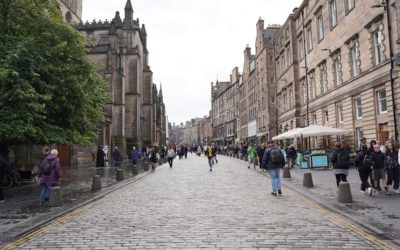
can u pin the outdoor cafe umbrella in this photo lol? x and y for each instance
(316, 130)
(287, 135)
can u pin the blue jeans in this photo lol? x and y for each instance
(45, 193)
(275, 179)
(211, 161)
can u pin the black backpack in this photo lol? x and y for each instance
(46, 168)
(153, 156)
(368, 162)
(343, 159)
(276, 156)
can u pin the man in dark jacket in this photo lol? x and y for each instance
(379, 168)
(260, 153)
(340, 159)
(274, 160)
(364, 162)
(116, 157)
(100, 157)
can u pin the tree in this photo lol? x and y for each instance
(49, 91)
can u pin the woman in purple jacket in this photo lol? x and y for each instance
(53, 178)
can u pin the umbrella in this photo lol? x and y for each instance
(316, 130)
(287, 135)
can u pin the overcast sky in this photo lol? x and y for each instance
(192, 42)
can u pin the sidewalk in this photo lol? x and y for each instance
(22, 209)
(380, 212)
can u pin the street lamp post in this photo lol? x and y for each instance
(385, 5)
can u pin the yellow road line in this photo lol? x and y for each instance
(46, 227)
(343, 222)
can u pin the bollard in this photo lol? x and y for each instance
(344, 195)
(160, 162)
(100, 172)
(286, 173)
(96, 183)
(135, 169)
(237, 156)
(165, 160)
(56, 198)
(307, 180)
(120, 174)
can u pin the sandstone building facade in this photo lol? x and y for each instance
(136, 112)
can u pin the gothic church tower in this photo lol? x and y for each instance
(71, 10)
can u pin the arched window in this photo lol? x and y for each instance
(68, 17)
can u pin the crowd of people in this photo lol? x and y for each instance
(377, 164)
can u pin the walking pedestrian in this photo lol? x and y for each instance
(291, 155)
(215, 149)
(260, 153)
(170, 156)
(49, 174)
(340, 159)
(379, 168)
(153, 158)
(116, 157)
(392, 166)
(210, 153)
(134, 156)
(199, 151)
(251, 155)
(274, 160)
(100, 156)
(364, 163)
(185, 151)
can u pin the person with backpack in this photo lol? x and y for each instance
(153, 158)
(274, 160)
(49, 174)
(392, 166)
(291, 155)
(340, 159)
(364, 163)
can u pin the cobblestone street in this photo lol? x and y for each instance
(189, 207)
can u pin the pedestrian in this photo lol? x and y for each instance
(379, 168)
(273, 160)
(370, 151)
(134, 156)
(210, 153)
(100, 157)
(260, 153)
(364, 163)
(49, 174)
(185, 150)
(340, 159)
(392, 166)
(170, 156)
(199, 151)
(215, 149)
(291, 155)
(394, 142)
(153, 158)
(251, 155)
(116, 157)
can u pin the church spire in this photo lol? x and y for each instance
(128, 13)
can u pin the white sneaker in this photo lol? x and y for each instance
(369, 190)
(363, 192)
(397, 191)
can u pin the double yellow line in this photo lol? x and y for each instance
(46, 227)
(343, 222)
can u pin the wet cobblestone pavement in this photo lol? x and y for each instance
(189, 207)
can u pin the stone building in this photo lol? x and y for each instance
(340, 69)
(71, 10)
(249, 93)
(205, 130)
(224, 112)
(160, 119)
(121, 56)
(265, 79)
